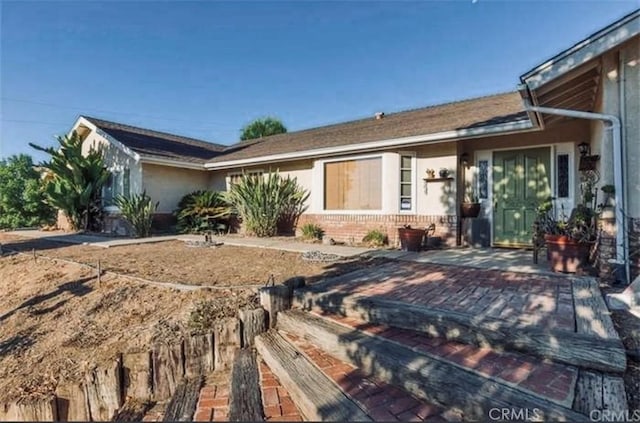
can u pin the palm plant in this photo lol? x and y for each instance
(73, 181)
(138, 210)
(201, 211)
(263, 202)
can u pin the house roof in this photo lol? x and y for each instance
(466, 114)
(159, 144)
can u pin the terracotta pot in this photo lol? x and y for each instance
(410, 239)
(566, 255)
(469, 209)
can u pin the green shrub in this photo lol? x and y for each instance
(311, 231)
(264, 202)
(138, 211)
(202, 211)
(375, 238)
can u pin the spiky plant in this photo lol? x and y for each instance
(262, 202)
(138, 210)
(201, 210)
(73, 181)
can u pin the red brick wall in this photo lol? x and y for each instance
(352, 228)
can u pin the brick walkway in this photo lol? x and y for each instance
(520, 298)
(213, 404)
(381, 401)
(553, 381)
(278, 406)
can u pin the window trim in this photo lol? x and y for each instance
(414, 182)
(322, 162)
(227, 178)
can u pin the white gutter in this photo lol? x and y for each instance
(622, 248)
(455, 135)
(170, 162)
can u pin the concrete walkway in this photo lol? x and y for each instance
(283, 244)
(93, 240)
(484, 258)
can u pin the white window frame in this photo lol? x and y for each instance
(414, 182)
(252, 172)
(119, 183)
(384, 171)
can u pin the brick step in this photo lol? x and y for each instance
(380, 400)
(278, 405)
(425, 375)
(213, 403)
(553, 381)
(557, 344)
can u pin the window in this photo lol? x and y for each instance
(234, 178)
(562, 181)
(406, 183)
(483, 179)
(118, 184)
(353, 184)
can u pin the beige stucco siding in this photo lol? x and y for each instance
(619, 95)
(168, 184)
(116, 159)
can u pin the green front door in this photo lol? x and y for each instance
(521, 180)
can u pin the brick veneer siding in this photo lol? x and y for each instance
(352, 228)
(606, 248)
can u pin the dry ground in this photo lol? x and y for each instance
(174, 261)
(628, 326)
(56, 320)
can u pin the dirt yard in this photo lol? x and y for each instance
(173, 261)
(56, 320)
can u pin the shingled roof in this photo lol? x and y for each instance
(466, 114)
(159, 144)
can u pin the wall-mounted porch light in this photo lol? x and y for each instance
(464, 159)
(584, 149)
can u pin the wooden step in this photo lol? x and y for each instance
(605, 353)
(380, 400)
(423, 375)
(245, 397)
(315, 395)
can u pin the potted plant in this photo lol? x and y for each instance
(569, 240)
(410, 239)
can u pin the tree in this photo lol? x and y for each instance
(73, 181)
(262, 127)
(22, 200)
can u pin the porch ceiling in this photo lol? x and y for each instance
(576, 90)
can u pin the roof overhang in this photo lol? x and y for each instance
(439, 137)
(571, 80)
(583, 52)
(163, 161)
(83, 122)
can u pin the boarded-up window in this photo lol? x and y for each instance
(353, 185)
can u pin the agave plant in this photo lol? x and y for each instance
(201, 210)
(138, 210)
(264, 202)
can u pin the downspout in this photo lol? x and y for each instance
(622, 254)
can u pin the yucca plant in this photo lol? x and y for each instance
(262, 202)
(201, 211)
(73, 181)
(138, 210)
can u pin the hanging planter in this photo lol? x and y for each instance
(469, 209)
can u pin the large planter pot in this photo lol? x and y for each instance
(410, 239)
(566, 255)
(469, 209)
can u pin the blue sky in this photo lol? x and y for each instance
(205, 69)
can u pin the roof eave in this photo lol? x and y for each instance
(589, 48)
(163, 161)
(439, 137)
